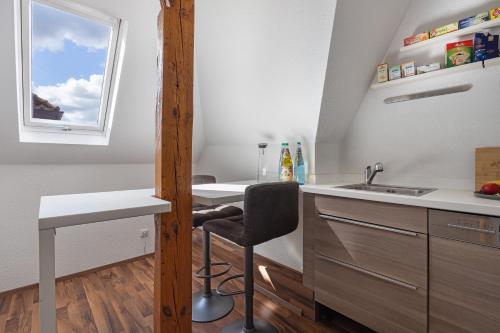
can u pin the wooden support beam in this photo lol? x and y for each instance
(174, 122)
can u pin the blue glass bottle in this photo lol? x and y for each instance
(299, 171)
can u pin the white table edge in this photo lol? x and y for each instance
(103, 216)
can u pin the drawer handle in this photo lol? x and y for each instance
(368, 225)
(366, 272)
(456, 226)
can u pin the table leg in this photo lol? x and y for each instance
(47, 290)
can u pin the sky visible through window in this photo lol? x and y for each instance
(68, 62)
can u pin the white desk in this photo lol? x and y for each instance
(76, 209)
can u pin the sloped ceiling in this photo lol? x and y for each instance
(261, 68)
(362, 33)
(132, 137)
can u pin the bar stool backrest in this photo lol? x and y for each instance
(203, 179)
(271, 211)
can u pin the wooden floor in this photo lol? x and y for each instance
(119, 299)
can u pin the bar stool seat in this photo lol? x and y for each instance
(202, 214)
(229, 228)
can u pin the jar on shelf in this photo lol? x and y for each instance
(262, 164)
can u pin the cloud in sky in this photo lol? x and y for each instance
(52, 27)
(79, 98)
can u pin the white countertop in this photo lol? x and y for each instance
(74, 209)
(453, 200)
(67, 210)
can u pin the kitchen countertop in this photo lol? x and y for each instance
(453, 200)
(66, 210)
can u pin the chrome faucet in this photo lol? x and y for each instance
(369, 175)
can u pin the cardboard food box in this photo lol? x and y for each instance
(416, 39)
(395, 73)
(382, 73)
(473, 20)
(444, 30)
(428, 68)
(487, 166)
(459, 53)
(485, 46)
(408, 69)
(494, 13)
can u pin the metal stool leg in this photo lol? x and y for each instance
(208, 306)
(249, 325)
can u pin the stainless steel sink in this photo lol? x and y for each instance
(401, 190)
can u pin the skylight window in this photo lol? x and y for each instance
(69, 67)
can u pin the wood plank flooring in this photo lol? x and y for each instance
(120, 299)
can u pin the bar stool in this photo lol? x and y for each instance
(207, 305)
(271, 211)
(202, 179)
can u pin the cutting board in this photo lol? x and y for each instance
(487, 165)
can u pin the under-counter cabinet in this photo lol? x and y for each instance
(397, 268)
(370, 261)
(464, 280)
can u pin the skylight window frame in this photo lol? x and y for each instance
(110, 77)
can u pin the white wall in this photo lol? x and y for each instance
(261, 70)
(77, 248)
(28, 171)
(427, 142)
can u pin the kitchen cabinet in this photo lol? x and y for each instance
(464, 281)
(383, 304)
(386, 214)
(397, 253)
(400, 268)
(369, 261)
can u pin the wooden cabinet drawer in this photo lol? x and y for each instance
(391, 215)
(464, 287)
(398, 254)
(382, 304)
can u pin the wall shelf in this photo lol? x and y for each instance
(451, 36)
(441, 72)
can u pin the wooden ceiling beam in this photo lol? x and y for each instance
(173, 161)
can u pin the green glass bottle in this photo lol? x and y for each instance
(281, 159)
(286, 174)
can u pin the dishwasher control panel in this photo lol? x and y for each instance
(477, 229)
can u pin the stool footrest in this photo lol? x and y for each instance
(234, 293)
(203, 276)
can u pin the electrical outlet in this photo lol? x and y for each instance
(144, 233)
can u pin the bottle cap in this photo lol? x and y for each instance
(262, 145)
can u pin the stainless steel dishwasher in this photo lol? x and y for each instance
(464, 273)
